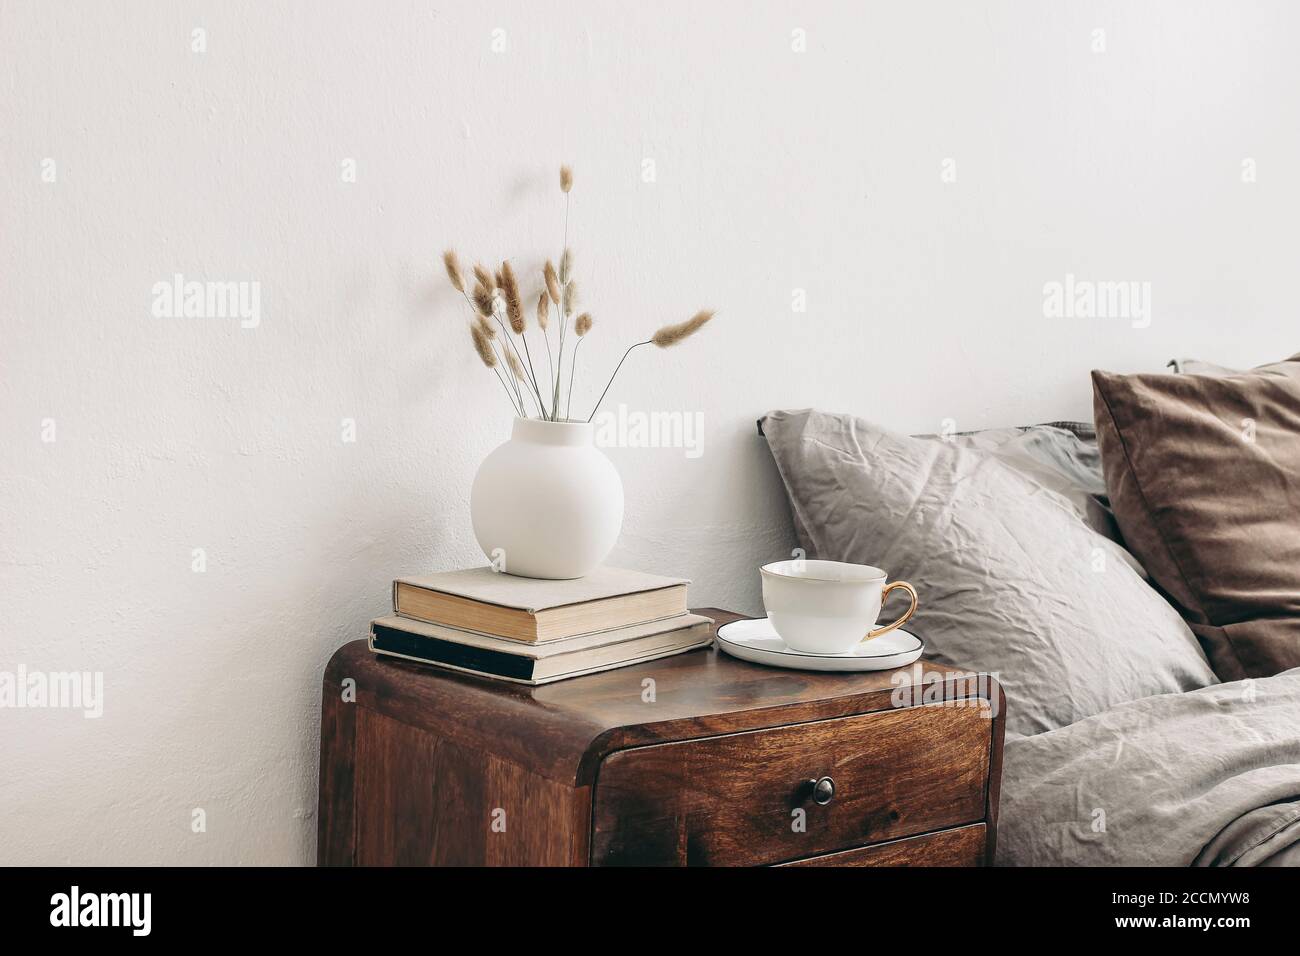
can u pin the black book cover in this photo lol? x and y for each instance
(449, 652)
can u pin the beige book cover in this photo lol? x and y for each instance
(540, 651)
(536, 594)
(530, 609)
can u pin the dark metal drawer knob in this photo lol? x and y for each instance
(823, 790)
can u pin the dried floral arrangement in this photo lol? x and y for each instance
(498, 306)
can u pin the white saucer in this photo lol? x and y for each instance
(758, 642)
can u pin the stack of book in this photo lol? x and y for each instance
(532, 631)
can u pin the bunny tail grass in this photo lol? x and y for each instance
(483, 299)
(514, 308)
(543, 322)
(596, 407)
(487, 353)
(672, 334)
(552, 282)
(543, 311)
(517, 369)
(581, 328)
(452, 265)
(483, 346)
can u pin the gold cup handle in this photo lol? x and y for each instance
(884, 596)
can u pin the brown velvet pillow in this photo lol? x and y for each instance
(1204, 478)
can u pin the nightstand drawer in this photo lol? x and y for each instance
(749, 798)
(963, 846)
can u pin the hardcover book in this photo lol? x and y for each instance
(535, 610)
(537, 663)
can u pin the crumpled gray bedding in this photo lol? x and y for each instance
(1209, 777)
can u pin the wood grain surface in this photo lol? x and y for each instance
(698, 758)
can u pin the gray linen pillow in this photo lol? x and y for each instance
(1062, 456)
(1011, 579)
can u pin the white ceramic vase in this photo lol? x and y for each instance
(547, 503)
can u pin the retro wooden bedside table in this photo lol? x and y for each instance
(697, 759)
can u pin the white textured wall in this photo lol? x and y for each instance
(776, 170)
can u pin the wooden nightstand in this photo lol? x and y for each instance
(697, 759)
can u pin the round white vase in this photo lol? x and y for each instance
(547, 503)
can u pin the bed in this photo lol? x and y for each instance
(1133, 582)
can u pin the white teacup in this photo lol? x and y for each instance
(826, 607)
